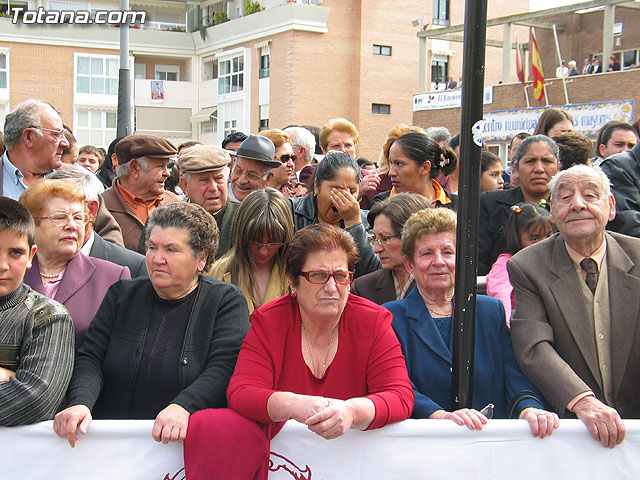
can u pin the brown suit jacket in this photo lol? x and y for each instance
(129, 222)
(377, 286)
(554, 345)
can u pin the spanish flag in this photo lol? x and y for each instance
(536, 69)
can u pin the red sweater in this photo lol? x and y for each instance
(369, 362)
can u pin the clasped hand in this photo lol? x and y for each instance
(328, 417)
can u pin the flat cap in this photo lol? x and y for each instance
(203, 158)
(135, 146)
(258, 148)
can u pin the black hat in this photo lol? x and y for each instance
(258, 148)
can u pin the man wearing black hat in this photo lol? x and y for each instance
(253, 167)
(204, 175)
(141, 169)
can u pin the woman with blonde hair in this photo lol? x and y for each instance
(263, 229)
(284, 153)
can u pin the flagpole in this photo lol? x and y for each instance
(520, 69)
(564, 80)
(526, 95)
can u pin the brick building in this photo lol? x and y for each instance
(293, 62)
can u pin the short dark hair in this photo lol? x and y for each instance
(317, 238)
(487, 159)
(398, 209)
(520, 135)
(234, 137)
(605, 132)
(94, 151)
(420, 148)
(524, 216)
(330, 165)
(455, 141)
(15, 216)
(575, 149)
(202, 228)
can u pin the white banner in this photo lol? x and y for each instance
(587, 119)
(445, 99)
(413, 449)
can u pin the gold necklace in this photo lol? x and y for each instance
(439, 314)
(326, 358)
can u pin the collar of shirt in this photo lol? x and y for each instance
(12, 178)
(440, 195)
(577, 257)
(86, 248)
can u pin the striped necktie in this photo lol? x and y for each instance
(590, 266)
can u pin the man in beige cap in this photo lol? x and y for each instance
(204, 174)
(141, 169)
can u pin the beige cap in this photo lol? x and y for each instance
(203, 158)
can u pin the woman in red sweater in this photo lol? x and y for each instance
(318, 356)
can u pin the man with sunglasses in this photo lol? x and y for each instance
(34, 140)
(253, 168)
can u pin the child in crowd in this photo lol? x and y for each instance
(36, 333)
(528, 223)
(491, 171)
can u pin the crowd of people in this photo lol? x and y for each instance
(222, 290)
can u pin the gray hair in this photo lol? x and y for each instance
(83, 178)
(302, 137)
(524, 146)
(25, 115)
(124, 169)
(591, 170)
(199, 224)
(439, 134)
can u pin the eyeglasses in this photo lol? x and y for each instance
(286, 157)
(255, 176)
(382, 240)
(320, 277)
(270, 245)
(57, 134)
(62, 219)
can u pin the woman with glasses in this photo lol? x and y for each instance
(285, 155)
(255, 263)
(393, 282)
(60, 270)
(319, 356)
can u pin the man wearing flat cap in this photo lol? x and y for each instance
(141, 169)
(204, 173)
(254, 166)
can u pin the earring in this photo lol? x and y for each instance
(292, 294)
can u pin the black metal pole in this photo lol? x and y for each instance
(469, 193)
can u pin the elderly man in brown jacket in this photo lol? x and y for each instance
(576, 323)
(141, 169)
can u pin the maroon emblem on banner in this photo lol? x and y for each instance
(277, 462)
(175, 477)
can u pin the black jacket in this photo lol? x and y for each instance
(495, 207)
(623, 169)
(108, 360)
(305, 213)
(119, 255)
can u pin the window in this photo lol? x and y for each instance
(230, 127)
(140, 71)
(264, 124)
(95, 127)
(380, 108)
(382, 50)
(210, 69)
(439, 71)
(210, 126)
(630, 58)
(3, 70)
(97, 75)
(441, 12)
(66, 6)
(168, 72)
(231, 75)
(264, 66)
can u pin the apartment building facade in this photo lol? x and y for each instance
(197, 77)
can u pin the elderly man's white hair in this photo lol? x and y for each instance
(302, 137)
(439, 134)
(591, 170)
(82, 178)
